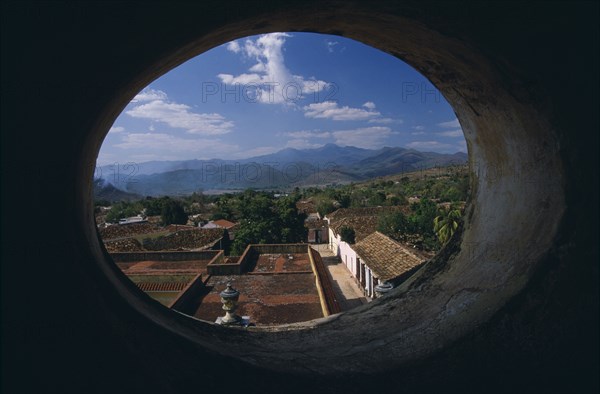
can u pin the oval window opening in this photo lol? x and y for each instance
(283, 177)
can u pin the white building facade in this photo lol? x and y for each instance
(361, 273)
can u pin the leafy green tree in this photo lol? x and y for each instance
(446, 223)
(347, 234)
(290, 223)
(252, 232)
(398, 200)
(102, 203)
(325, 207)
(377, 199)
(254, 205)
(198, 197)
(358, 198)
(123, 210)
(423, 214)
(344, 199)
(154, 206)
(218, 216)
(173, 213)
(450, 194)
(265, 219)
(225, 208)
(194, 203)
(393, 224)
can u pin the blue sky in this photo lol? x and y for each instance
(261, 94)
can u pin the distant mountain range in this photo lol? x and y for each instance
(330, 164)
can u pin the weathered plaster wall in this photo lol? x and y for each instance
(511, 306)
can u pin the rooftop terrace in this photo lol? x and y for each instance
(267, 299)
(279, 284)
(165, 276)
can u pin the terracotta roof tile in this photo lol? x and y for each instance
(362, 220)
(161, 286)
(363, 226)
(387, 258)
(316, 224)
(306, 206)
(224, 223)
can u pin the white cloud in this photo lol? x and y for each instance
(270, 80)
(434, 146)
(450, 124)
(116, 129)
(302, 144)
(304, 139)
(258, 151)
(258, 68)
(331, 110)
(149, 95)
(369, 105)
(104, 158)
(452, 133)
(163, 144)
(417, 133)
(242, 79)
(143, 157)
(331, 45)
(385, 120)
(181, 116)
(234, 47)
(366, 137)
(419, 127)
(308, 134)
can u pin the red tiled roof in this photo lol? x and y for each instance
(316, 224)
(117, 231)
(161, 286)
(306, 206)
(179, 227)
(280, 288)
(268, 299)
(196, 238)
(224, 223)
(123, 245)
(362, 226)
(387, 258)
(363, 220)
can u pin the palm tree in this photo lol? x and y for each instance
(445, 224)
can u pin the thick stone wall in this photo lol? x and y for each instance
(124, 257)
(247, 260)
(186, 301)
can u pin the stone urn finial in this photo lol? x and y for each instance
(383, 288)
(229, 298)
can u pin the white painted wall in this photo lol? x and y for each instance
(349, 256)
(334, 242)
(344, 251)
(369, 281)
